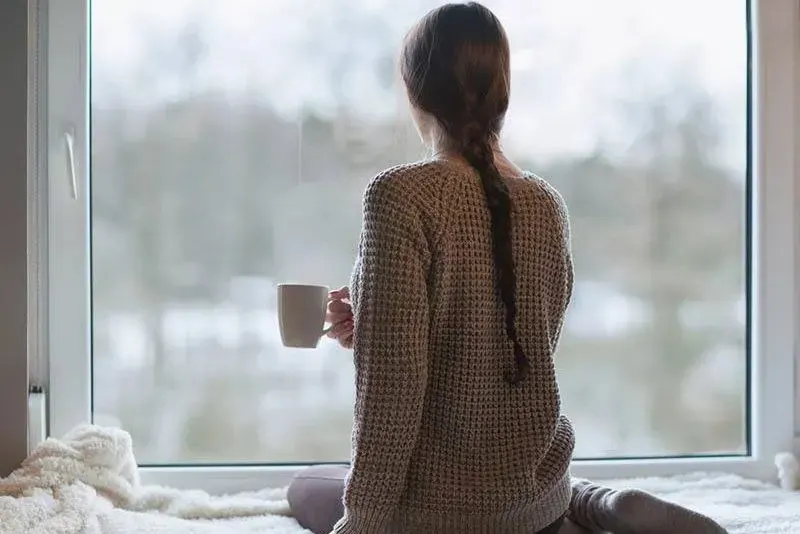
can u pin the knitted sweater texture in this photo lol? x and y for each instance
(442, 443)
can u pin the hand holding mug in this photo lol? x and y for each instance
(303, 310)
(340, 316)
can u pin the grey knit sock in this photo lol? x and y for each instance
(631, 511)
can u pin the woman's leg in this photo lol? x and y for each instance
(553, 528)
(631, 511)
(315, 497)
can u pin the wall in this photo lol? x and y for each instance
(796, 46)
(13, 234)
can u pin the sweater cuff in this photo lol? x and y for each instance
(364, 521)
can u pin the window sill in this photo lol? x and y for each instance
(227, 480)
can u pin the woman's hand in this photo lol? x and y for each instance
(340, 315)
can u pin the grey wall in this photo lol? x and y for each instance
(13, 234)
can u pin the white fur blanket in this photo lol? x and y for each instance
(87, 483)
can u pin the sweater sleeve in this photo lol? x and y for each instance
(390, 349)
(568, 266)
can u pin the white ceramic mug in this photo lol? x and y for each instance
(301, 314)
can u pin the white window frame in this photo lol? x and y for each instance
(776, 262)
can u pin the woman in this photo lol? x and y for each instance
(459, 292)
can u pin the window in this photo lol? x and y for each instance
(199, 152)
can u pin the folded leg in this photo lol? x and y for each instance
(315, 497)
(631, 511)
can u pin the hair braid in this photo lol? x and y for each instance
(477, 150)
(455, 66)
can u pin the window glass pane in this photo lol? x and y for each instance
(231, 143)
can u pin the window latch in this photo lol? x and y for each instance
(69, 140)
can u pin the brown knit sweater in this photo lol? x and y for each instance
(442, 443)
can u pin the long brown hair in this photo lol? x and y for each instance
(455, 66)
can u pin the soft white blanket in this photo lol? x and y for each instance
(88, 483)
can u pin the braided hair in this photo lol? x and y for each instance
(455, 66)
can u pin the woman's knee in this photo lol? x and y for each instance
(315, 497)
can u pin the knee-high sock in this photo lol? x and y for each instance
(630, 511)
